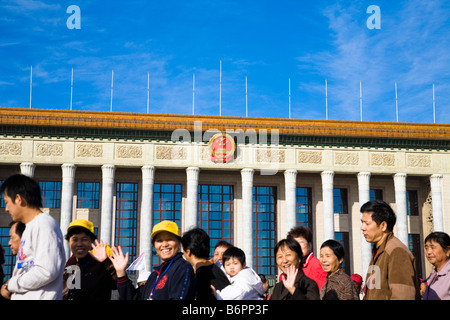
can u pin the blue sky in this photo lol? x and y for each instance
(269, 42)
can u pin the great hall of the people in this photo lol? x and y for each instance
(244, 180)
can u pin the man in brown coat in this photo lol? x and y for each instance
(392, 272)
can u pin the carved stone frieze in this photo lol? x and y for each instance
(127, 152)
(314, 157)
(89, 150)
(10, 148)
(49, 149)
(346, 158)
(270, 155)
(171, 153)
(418, 160)
(383, 159)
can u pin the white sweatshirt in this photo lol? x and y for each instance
(246, 285)
(38, 273)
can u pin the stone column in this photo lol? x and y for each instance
(290, 185)
(436, 202)
(192, 197)
(27, 168)
(401, 212)
(68, 181)
(146, 220)
(247, 214)
(108, 171)
(328, 205)
(364, 196)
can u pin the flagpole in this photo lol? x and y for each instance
(148, 92)
(360, 99)
(220, 89)
(112, 87)
(246, 98)
(31, 84)
(326, 100)
(434, 107)
(193, 93)
(71, 89)
(289, 98)
(396, 101)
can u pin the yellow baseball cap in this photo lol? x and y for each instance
(83, 224)
(166, 225)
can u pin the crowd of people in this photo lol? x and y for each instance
(188, 273)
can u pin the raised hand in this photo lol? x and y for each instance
(119, 261)
(98, 251)
(289, 280)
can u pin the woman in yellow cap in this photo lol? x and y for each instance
(96, 274)
(174, 279)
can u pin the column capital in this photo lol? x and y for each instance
(27, 168)
(435, 180)
(68, 170)
(364, 175)
(192, 173)
(327, 177)
(363, 178)
(148, 174)
(290, 175)
(400, 180)
(108, 168)
(247, 171)
(247, 175)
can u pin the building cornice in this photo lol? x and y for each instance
(124, 125)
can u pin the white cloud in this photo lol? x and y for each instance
(29, 7)
(411, 48)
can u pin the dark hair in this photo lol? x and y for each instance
(78, 230)
(439, 237)
(197, 241)
(337, 248)
(301, 231)
(234, 252)
(222, 243)
(293, 245)
(263, 278)
(380, 211)
(24, 186)
(20, 227)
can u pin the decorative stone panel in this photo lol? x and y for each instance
(418, 161)
(171, 153)
(382, 159)
(10, 148)
(270, 155)
(49, 149)
(346, 158)
(127, 152)
(89, 150)
(314, 157)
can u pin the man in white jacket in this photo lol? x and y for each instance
(245, 282)
(38, 273)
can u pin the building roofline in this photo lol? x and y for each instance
(170, 122)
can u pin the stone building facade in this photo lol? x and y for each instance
(127, 171)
